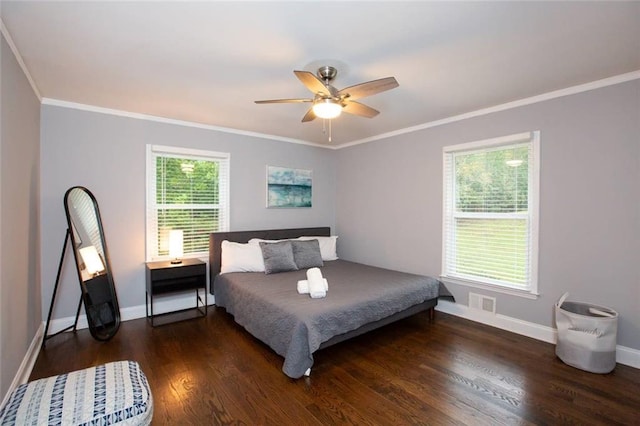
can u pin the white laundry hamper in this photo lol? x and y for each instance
(586, 335)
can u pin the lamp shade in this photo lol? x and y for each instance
(91, 259)
(326, 108)
(175, 243)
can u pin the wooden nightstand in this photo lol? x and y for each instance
(166, 277)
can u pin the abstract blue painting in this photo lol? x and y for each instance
(288, 187)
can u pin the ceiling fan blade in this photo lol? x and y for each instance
(369, 88)
(283, 101)
(309, 116)
(362, 110)
(312, 82)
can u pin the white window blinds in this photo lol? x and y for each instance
(490, 212)
(187, 190)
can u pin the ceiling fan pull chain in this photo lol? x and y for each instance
(324, 127)
(329, 130)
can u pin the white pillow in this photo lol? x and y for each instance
(237, 257)
(327, 246)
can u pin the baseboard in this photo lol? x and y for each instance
(161, 305)
(26, 366)
(624, 355)
(628, 356)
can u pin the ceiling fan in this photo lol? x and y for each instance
(329, 102)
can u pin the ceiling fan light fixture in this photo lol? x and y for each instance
(327, 108)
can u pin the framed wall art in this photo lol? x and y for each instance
(287, 188)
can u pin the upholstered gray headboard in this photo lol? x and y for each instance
(216, 239)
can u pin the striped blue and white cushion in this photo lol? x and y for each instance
(114, 393)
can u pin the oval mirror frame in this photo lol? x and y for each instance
(92, 263)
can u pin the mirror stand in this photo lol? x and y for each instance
(53, 298)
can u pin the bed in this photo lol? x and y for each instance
(360, 298)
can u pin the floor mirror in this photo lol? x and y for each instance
(92, 262)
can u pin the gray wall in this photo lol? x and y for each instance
(389, 203)
(20, 310)
(106, 153)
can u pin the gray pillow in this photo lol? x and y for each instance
(278, 257)
(307, 254)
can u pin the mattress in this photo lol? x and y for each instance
(295, 326)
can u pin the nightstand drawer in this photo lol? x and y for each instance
(181, 271)
(179, 284)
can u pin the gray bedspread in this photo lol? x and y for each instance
(294, 325)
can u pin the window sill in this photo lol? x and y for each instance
(491, 287)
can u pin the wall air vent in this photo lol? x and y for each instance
(483, 303)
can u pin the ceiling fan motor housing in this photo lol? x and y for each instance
(327, 73)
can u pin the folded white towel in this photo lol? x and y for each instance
(316, 283)
(303, 286)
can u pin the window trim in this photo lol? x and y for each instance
(151, 207)
(532, 291)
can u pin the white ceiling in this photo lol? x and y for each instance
(206, 62)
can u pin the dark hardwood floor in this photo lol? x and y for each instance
(449, 371)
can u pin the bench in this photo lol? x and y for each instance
(116, 393)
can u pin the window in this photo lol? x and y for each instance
(187, 190)
(491, 213)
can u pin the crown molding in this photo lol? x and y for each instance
(610, 81)
(147, 117)
(23, 66)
